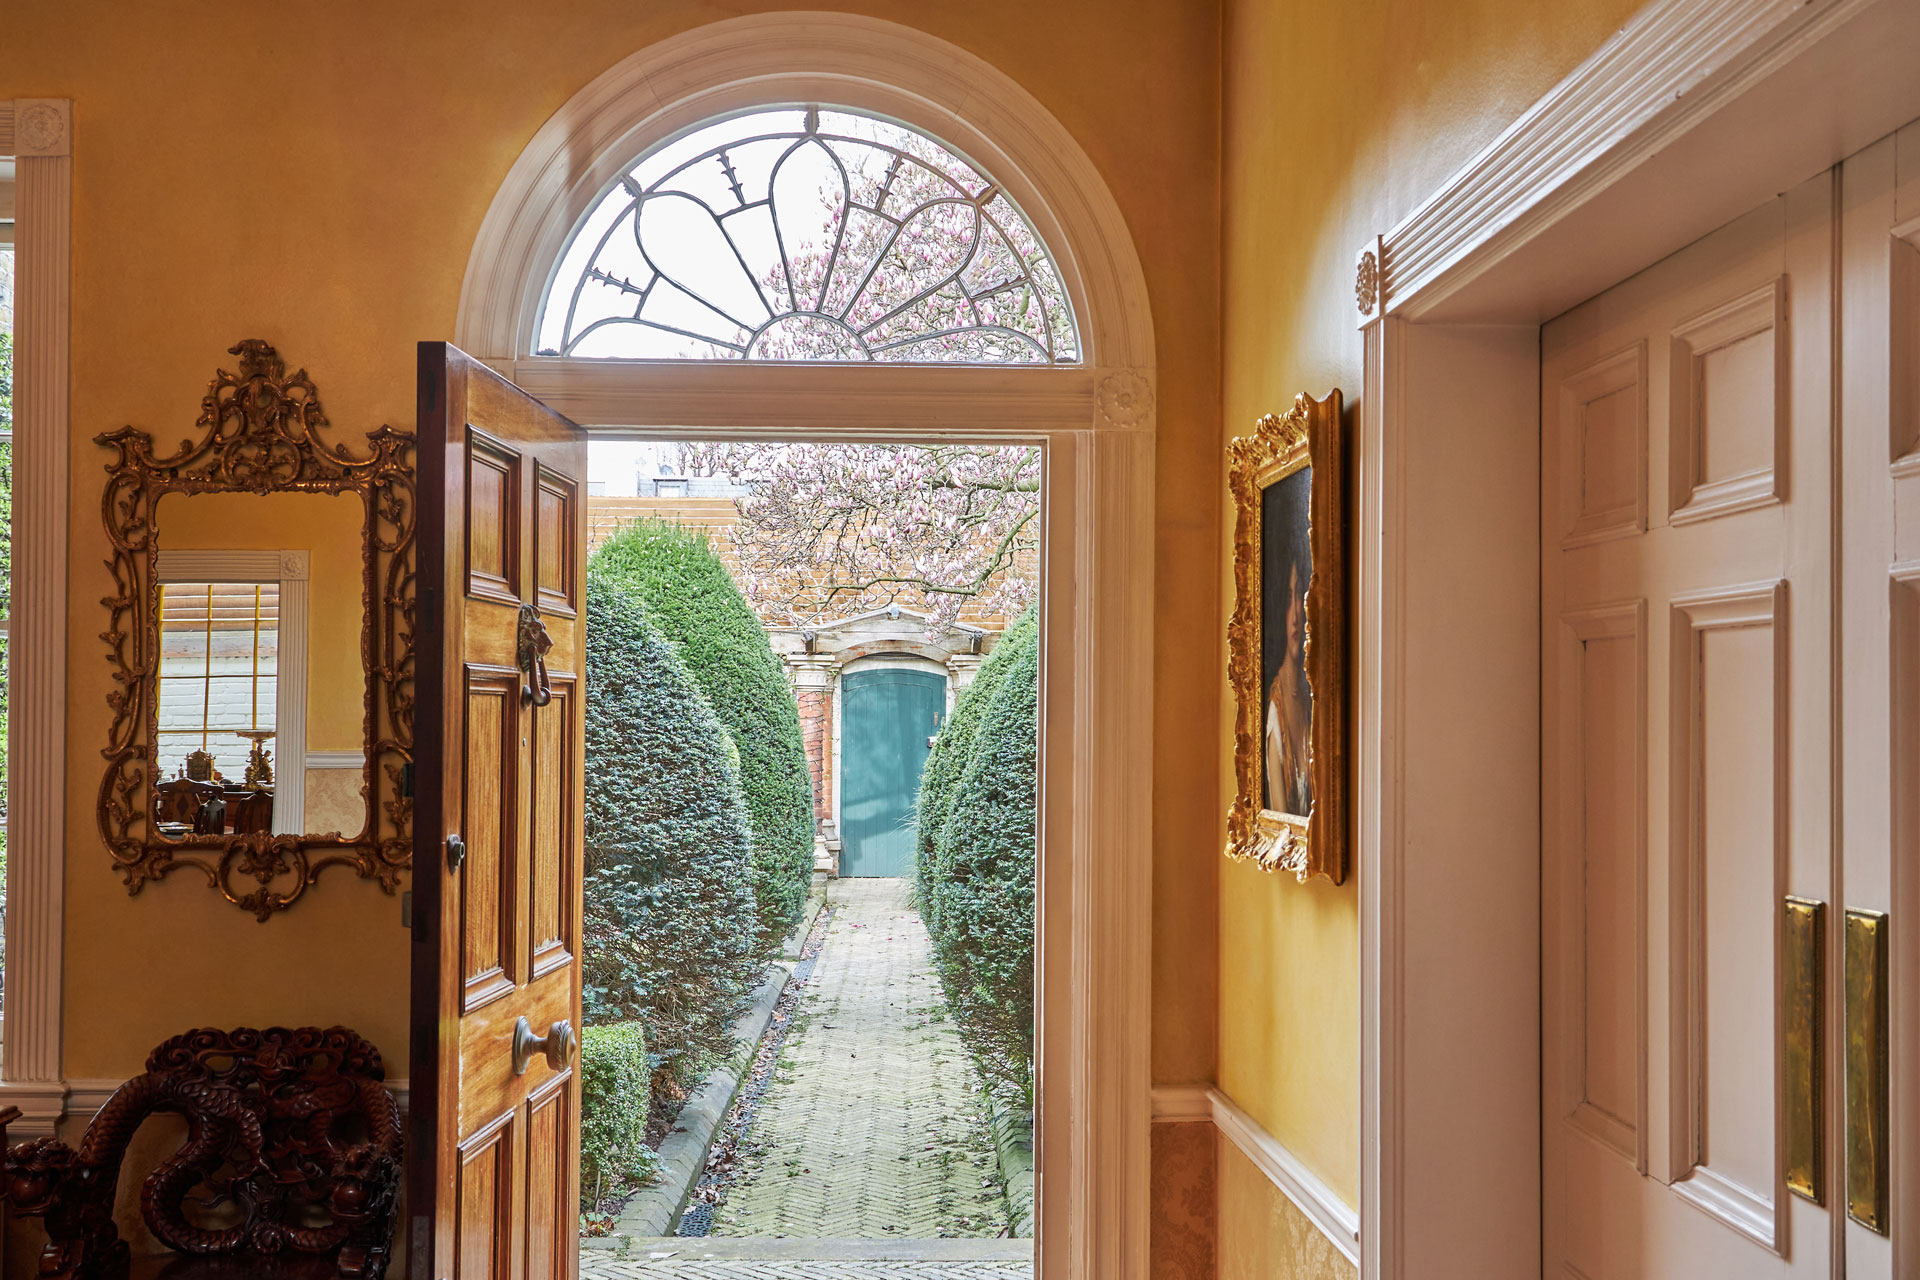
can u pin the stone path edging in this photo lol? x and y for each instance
(1013, 1145)
(683, 1153)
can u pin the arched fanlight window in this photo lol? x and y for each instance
(807, 234)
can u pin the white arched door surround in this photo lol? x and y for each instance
(1094, 421)
(1646, 147)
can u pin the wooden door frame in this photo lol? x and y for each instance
(1095, 421)
(1645, 147)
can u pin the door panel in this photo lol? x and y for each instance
(887, 717)
(1686, 619)
(498, 815)
(550, 887)
(487, 825)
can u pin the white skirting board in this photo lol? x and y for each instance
(1327, 1211)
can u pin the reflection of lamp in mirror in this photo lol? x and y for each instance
(259, 765)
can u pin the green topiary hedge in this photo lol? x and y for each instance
(979, 885)
(692, 598)
(614, 1071)
(947, 760)
(670, 914)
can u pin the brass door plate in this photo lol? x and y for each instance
(1867, 1128)
(1804, 985)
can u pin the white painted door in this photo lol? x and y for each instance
(1687, 650)
(1731, 692)
(1879, 676)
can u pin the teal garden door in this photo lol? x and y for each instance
(887, 716)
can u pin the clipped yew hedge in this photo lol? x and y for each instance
(977, 884)
(670, 916)
(947, 760)
(692, 599)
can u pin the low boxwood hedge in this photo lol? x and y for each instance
(614, 1073)
(693, 600)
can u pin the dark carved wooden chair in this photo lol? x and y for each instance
(181, 800)
(249, 811)
(291, 1165)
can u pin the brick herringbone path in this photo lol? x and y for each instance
(873, 1126)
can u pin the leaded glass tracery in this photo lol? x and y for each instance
(808, 234)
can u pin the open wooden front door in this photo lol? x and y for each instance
(498, 806)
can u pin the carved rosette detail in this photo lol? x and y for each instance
(1124, 399)
(40, 129)
(1313, 844)
(1366, 283)
(259, 433)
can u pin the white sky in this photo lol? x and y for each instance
(614, 466)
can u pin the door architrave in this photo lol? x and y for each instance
(1639, 151)
(38, 134)
(1095, 422)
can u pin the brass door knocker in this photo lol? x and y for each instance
(534, 643)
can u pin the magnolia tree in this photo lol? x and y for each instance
(833, 530)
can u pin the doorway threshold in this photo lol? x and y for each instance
(716, 1258)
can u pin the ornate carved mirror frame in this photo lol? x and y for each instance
(259, 434)
(1307, 844)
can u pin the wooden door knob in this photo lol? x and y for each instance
(558, 1045)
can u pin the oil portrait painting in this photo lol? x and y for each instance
(1286, 571)
(1286, 644)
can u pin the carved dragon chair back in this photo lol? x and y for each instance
(293, 1155)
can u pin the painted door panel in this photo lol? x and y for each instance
(1731, 649)
(495, 1154)
(1687, 533)
(887, 716)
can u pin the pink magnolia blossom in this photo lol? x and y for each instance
(832, 530)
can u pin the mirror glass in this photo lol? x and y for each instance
(260, 698)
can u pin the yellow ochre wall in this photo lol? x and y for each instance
(331, 528)
(1337, 120)
(314, 174)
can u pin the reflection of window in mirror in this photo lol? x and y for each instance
(233, 673)
(219, 663)
(302, 554)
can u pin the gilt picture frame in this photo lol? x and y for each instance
(1287, 642)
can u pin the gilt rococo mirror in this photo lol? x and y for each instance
(260, 637)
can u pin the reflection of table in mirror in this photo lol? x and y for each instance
(184, 807)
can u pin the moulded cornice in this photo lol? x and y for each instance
(1675, 66)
